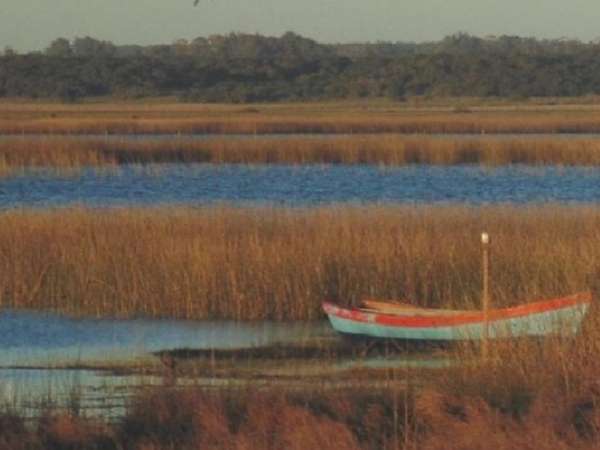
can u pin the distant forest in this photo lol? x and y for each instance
(253, 68)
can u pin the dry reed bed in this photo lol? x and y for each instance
(528, 395)
(66, 153)
(251, 120)
(384, 419)
(251, 264)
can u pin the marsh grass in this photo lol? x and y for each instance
(277, 264)
(347, 124)
(335, 117)
(67, 154)
(165, 418)
(430, 417)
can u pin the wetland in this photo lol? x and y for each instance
(166, 290)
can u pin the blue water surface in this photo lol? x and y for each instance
(312, 185)
(44, 339)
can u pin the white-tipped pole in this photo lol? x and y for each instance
(485, 298)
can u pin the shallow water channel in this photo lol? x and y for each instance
(48, 359)
(96, 365)
(311, 185)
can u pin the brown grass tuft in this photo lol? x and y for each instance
(276, 418)
(68, 432)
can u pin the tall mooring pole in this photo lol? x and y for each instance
(485, 297)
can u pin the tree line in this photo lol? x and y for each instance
(253, 68)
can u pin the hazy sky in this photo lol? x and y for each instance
(32, 24)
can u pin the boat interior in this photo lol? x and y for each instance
(393, 307)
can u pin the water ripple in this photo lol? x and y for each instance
(200, 184)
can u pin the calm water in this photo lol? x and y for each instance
(41, 356)
(47, 359)
(199, 184)
(43, 340)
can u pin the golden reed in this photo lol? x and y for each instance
(450, 123)
(390, 150)
(262, 263)
(340, 117)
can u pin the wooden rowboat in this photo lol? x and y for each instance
(560, 316)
